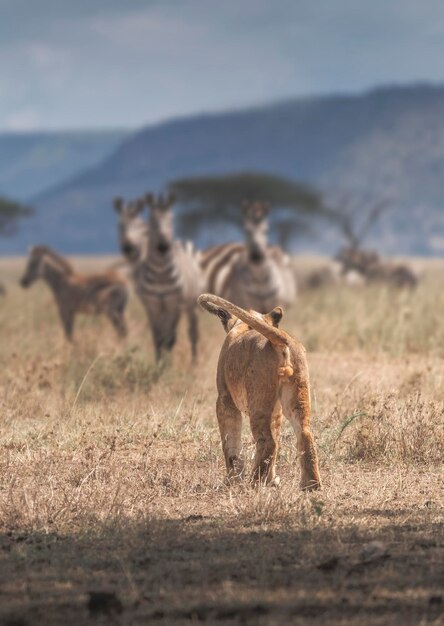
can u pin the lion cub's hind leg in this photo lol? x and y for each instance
(230, 428)
(265, 427)
(296, 405)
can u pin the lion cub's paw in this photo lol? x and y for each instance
(275, 482)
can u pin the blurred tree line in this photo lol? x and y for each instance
(11, 212)
(210, 203)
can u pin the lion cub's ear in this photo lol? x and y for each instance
(275, 316)
(225, 317)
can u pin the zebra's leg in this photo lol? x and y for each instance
(117, 319)
(230, 428)
(169, 328)
(265, 426)
(153, 315)
(67, 317)
(116, 315)
(193, 331)
(163, 324)
(296, 404)
(157, 340)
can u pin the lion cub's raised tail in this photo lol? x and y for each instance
(280, 340)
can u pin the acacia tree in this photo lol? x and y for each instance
(211, 200)
(11, 213)
(354, 216)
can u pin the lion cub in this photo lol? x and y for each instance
(262, 372)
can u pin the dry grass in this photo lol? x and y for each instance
(111, 475)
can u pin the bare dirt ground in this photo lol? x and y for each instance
(112, 503)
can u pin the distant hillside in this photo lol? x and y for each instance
(32, 162)
(389, 139)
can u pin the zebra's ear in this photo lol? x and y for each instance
(171, 199)
(275, 316)
(137, 206)
(118, 204)
(149, 199)
(245, 207)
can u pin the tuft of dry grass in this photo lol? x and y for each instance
(111, 473)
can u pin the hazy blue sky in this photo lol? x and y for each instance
(89, 63)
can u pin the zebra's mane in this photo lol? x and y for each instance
(63, 264)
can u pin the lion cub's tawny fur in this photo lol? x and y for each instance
(263, 373)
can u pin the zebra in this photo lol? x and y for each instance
(103, 293)
(251, 274)
(166, 273)
(372, 268)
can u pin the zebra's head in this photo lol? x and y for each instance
(132, 228)
(161, 226)
(256, 229)
(34, 266)
(39, 256)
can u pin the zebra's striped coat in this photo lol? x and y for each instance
(252, 275)
(166, 273)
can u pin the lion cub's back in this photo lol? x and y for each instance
(248, 365)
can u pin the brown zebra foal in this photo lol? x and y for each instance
(95, 294)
